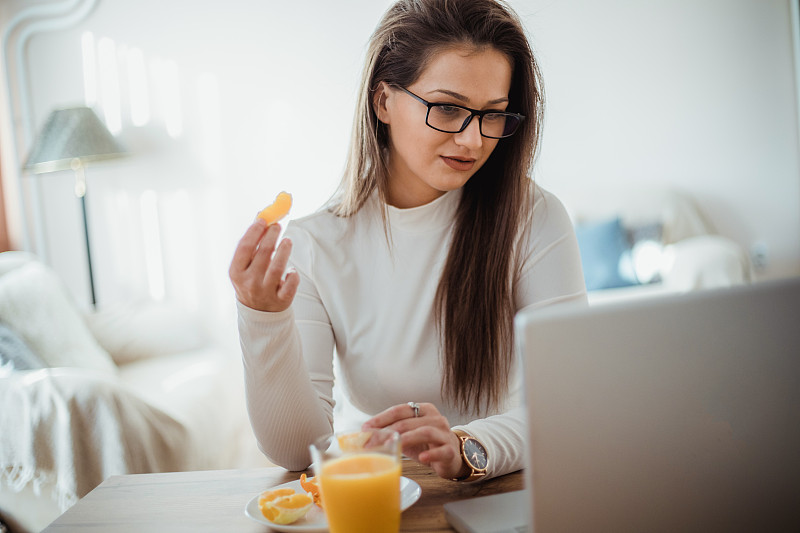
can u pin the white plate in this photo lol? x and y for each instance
(314, 520)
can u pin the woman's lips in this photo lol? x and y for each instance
(458, 164)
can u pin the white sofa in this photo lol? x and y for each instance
(130, 389)
(671, 241)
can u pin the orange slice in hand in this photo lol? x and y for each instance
(279, 208)
(311, 487)
(353, 442)
(284, 506)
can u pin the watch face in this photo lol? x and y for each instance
(475, 453)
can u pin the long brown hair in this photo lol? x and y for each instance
(474, 303)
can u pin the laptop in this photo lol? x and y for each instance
(679, 413)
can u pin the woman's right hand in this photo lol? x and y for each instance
(257, 274)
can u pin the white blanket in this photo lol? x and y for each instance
(175, 405)
(72, 428)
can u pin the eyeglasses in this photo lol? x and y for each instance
(451, 118)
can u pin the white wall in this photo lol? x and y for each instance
(699, 95)
(247, 98)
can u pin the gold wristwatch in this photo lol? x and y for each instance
(473, 454)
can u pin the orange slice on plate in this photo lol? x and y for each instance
(284, 506)
(278, 209)
(311, 487)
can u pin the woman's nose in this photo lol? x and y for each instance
(471, 135)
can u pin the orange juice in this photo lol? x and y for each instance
(362, 493)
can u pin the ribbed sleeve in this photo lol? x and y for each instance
(286, 411)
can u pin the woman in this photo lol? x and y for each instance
(415, 272)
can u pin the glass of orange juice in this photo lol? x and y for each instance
(359, 478)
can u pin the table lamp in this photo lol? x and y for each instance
(70, 139)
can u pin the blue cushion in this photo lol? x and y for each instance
(605, 254)
(15, 351)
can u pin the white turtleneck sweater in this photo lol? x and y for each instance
(373, 303)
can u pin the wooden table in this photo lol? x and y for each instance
(214, 500)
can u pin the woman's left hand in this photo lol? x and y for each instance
(426, 438)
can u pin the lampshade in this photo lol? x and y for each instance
(71, 133)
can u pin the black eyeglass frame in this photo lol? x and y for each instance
(473, 113)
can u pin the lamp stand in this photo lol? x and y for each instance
(80, 191)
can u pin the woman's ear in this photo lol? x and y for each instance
(379, 102)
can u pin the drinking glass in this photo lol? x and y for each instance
(359, 478)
